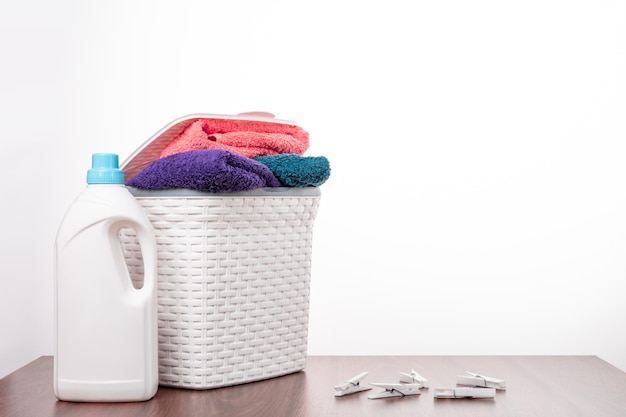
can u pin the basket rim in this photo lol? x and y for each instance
(271, 192)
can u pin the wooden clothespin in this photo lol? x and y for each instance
(351, 386)
(413, 378)
(395, 390)
(458, 393)
(475, 380)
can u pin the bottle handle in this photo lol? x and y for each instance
(146, 239)
(147, 243)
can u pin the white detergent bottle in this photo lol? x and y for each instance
(105, 326)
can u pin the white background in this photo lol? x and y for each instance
(477, 202)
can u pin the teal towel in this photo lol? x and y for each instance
(297, 171)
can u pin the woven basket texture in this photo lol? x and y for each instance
(233, 286)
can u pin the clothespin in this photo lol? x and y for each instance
(351, 386)
(465, 393)
(395, 390)
(474, 380)
(414, 378)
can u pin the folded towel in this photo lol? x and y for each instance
(297, 171)
(214, 170)
(243, 137)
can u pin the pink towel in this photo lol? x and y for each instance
(243, 137)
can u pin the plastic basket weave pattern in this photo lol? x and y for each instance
(233, 285)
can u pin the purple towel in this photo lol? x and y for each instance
(214, 170)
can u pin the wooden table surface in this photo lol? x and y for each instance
(550, 386)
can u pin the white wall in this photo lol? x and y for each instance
(477, 203)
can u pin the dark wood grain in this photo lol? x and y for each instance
(554, 386)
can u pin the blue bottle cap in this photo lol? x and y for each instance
(105, 169)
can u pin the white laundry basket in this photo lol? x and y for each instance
(233, 277)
